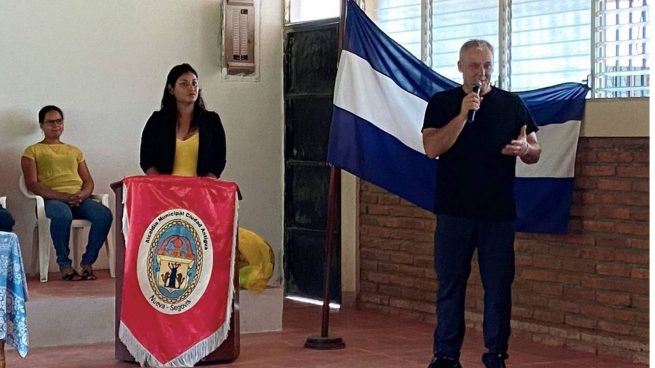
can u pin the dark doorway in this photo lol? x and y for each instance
(310, 67)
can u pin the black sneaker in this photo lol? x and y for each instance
(494, 360)
(444, 362)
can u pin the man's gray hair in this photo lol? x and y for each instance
(475, 44)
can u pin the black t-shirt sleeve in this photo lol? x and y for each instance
(442, 108)
(526, 118)
(430, 113)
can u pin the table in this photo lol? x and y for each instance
(13, 294)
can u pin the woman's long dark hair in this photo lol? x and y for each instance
(168, 103)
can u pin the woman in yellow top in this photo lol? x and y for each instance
(57, 172)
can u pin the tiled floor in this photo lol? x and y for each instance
(372, 340)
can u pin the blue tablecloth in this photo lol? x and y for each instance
(13, 294)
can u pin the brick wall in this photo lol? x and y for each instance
(586, 290)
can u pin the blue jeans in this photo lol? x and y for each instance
(61, 215)
(456, 238)
(6, 221)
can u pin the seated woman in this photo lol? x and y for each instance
(6, 221)
(57, 172)
(183, 138)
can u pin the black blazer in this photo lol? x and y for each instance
(158, 143)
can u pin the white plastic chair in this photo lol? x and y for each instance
(3, 202)
(42, 241)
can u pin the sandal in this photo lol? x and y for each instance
(70, 275)
(87, 274)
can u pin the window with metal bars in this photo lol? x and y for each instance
(621, 48)
(546, 42)
(401, 20)
(455, 21)
(550, 43)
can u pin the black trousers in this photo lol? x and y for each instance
(456, 238)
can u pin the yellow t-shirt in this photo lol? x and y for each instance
(186, 156)
(56, 166)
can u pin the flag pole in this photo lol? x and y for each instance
(324, 341)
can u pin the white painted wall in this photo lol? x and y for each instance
(105, 64)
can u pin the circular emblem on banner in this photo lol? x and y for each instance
(175, 261)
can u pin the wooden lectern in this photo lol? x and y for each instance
(229, 349)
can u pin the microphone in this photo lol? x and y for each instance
(476, 89)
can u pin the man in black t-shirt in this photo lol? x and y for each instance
(477, 131)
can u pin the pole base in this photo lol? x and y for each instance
(324, 343)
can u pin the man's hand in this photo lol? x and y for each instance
(470, 102)
(519, 146)
(525, 146)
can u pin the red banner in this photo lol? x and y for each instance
(179, 266)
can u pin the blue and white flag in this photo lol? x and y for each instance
(380, 98)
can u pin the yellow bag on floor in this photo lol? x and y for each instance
(256, 261)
